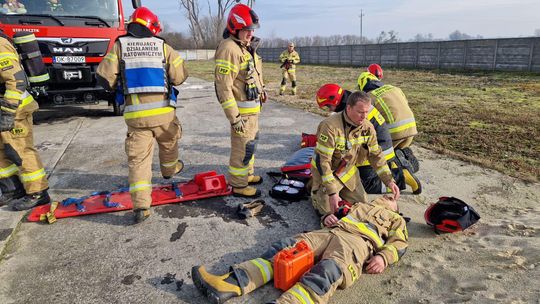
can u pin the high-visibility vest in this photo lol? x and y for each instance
(143, 65)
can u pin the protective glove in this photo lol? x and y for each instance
(239, 125)
(7, 115)
(252, 92)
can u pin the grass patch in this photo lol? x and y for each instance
(488, 118)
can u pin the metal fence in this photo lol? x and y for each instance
(197, 54)
(508, 54)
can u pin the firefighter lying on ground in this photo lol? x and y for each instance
(240, 91)
(289, 59)
(344, 141)
(145, 69)
(373, 235)
(333, 97)
(391, 102)
(19, 159)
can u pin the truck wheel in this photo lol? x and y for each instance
(118, 110)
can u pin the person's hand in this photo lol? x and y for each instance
(375, 264)
(239, 126)
(330, 220)
(395, 190)
(334, 200)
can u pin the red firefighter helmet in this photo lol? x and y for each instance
(376, 70)
(329, 95)
(242, 17)
(145, 17)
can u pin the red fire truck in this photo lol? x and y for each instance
(73, 36)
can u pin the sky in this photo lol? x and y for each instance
(292, 18)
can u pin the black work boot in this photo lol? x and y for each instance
(30, 201)
(217, 288)
(409, 155)
(140, 215)
(11, 188)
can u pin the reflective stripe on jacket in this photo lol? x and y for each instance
(394, 107)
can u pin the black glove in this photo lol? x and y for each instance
(252, 92)
(7, 115)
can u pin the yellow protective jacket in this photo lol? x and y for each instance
(293, 56)
(109, 72)
(13, 81)
(394, 107)
(341, 146)
(384, 228)
(238, 65)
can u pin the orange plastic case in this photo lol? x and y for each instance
(291, 264)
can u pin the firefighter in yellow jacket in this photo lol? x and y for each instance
(344, 141)
(145, 69)
(394, 107)
(19, 160)
(371, 234)
(289, 59)
(240, 91)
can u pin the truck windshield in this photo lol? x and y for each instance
(61, 12)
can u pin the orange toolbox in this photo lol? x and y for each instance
(291, 264)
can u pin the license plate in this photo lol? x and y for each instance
(69, 59)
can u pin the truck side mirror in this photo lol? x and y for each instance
(136, 3)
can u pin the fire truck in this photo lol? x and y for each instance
(73, 36)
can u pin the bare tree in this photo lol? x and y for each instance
(192, 12)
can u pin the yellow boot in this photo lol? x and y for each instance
(294, 90)
(282, 90)
(412, 181)
(218, 289)
(246, 192)
(254, 179)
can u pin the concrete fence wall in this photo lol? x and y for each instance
(508, 54)
(197, 54)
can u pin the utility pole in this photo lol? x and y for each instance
(360, 16)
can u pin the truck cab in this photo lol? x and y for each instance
(73, 36)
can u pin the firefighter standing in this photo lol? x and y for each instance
(289, 59)
(19, 160)
(334, 97)
(344, 141)
(146, 68)
(240, 91)
(374, 234)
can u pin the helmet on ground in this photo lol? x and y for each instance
(242, 17)
(376, 70)
(329, 95)
(364, 78)
(450, 214)
(146, 18)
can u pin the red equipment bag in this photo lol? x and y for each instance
(308, 140)
(450, 214)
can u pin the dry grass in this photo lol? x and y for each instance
(492, 119)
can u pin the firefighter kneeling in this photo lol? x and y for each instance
(373, 234)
